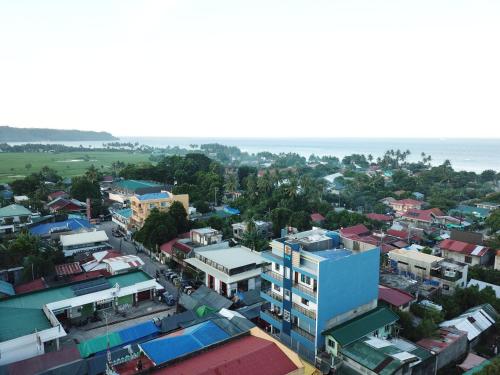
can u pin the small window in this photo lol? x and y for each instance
(277, 267)
(331, 343)
(468, 259)
(304, 301)
(276, 287)
(287, 294)
(305, 279)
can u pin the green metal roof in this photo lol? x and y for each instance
(133, 185)
(383, 360)
(24, 311)
(14, 210)
(17, 322)
(356, 328)
(99, 344)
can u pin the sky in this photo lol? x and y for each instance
(254, 68)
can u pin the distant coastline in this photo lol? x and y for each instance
(11, 134)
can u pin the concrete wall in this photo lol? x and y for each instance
(344, 285)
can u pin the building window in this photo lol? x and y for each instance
(287, 272)
(468, 259)
(304, 301)
(277, 267)
(446, 287)
(286, 315)
(420, 268)
(288, 250)
(305, 279)
(287, 294)
(331, 343)
(276, 287)
(163, 204)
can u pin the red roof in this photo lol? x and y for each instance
(359, 229)
(56, 194)
(31, 286)
(443, 338)
(44, 362)
(379, 217)
(68, 269)
(423, 215)
(248, 355)
(394, 297)
(402, 234)
(167, 246)
(317, 217)
(408, 202)
(463, 247)
(90, 275)
(129, 368)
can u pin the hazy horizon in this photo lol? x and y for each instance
(267, 69)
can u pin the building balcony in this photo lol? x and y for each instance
(272, 297)
(272, 276)
(273, 319)
(307, 292)
(308, 336)
(269, 256)
(308, 313)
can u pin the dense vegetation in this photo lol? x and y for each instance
(10, 134)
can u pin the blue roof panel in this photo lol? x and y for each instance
(146, 197)
(183, 342)
(70, 224)
(6, 288)
(137, 332)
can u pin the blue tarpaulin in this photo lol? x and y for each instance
(183, 342)
(138, 332)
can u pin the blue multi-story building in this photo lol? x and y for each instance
(312, 284)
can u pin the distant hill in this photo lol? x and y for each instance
(10, 134)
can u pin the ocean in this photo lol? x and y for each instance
(465, 154)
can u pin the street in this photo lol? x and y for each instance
(128, 248)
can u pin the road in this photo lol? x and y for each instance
(128, 248)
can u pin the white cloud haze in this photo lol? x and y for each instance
(253, 68)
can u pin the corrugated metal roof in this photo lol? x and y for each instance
(14, 210)
(247, 355)
(182, 342)
(84, 238)
(7, 288)
(356, 328)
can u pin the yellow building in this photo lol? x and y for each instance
(142, 205)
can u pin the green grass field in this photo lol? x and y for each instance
(13, 165)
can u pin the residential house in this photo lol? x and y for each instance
(122, 190)
(425, 219)
(488, 205)
(263, 228)
(85, 242)
(205, 236)
(446, 274)
(386, 219)
(471, 211)
(228, 269)
(395, 299)
(403, 205)
(20, 199)
(448, 343)
(142, 205)
(466, 252)
(32, 322)
(63, 205)
(301, 284)
(13, 218)
(475, 321)
(57, 194)
(122, 217)
(360, 238)
(317, 218)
